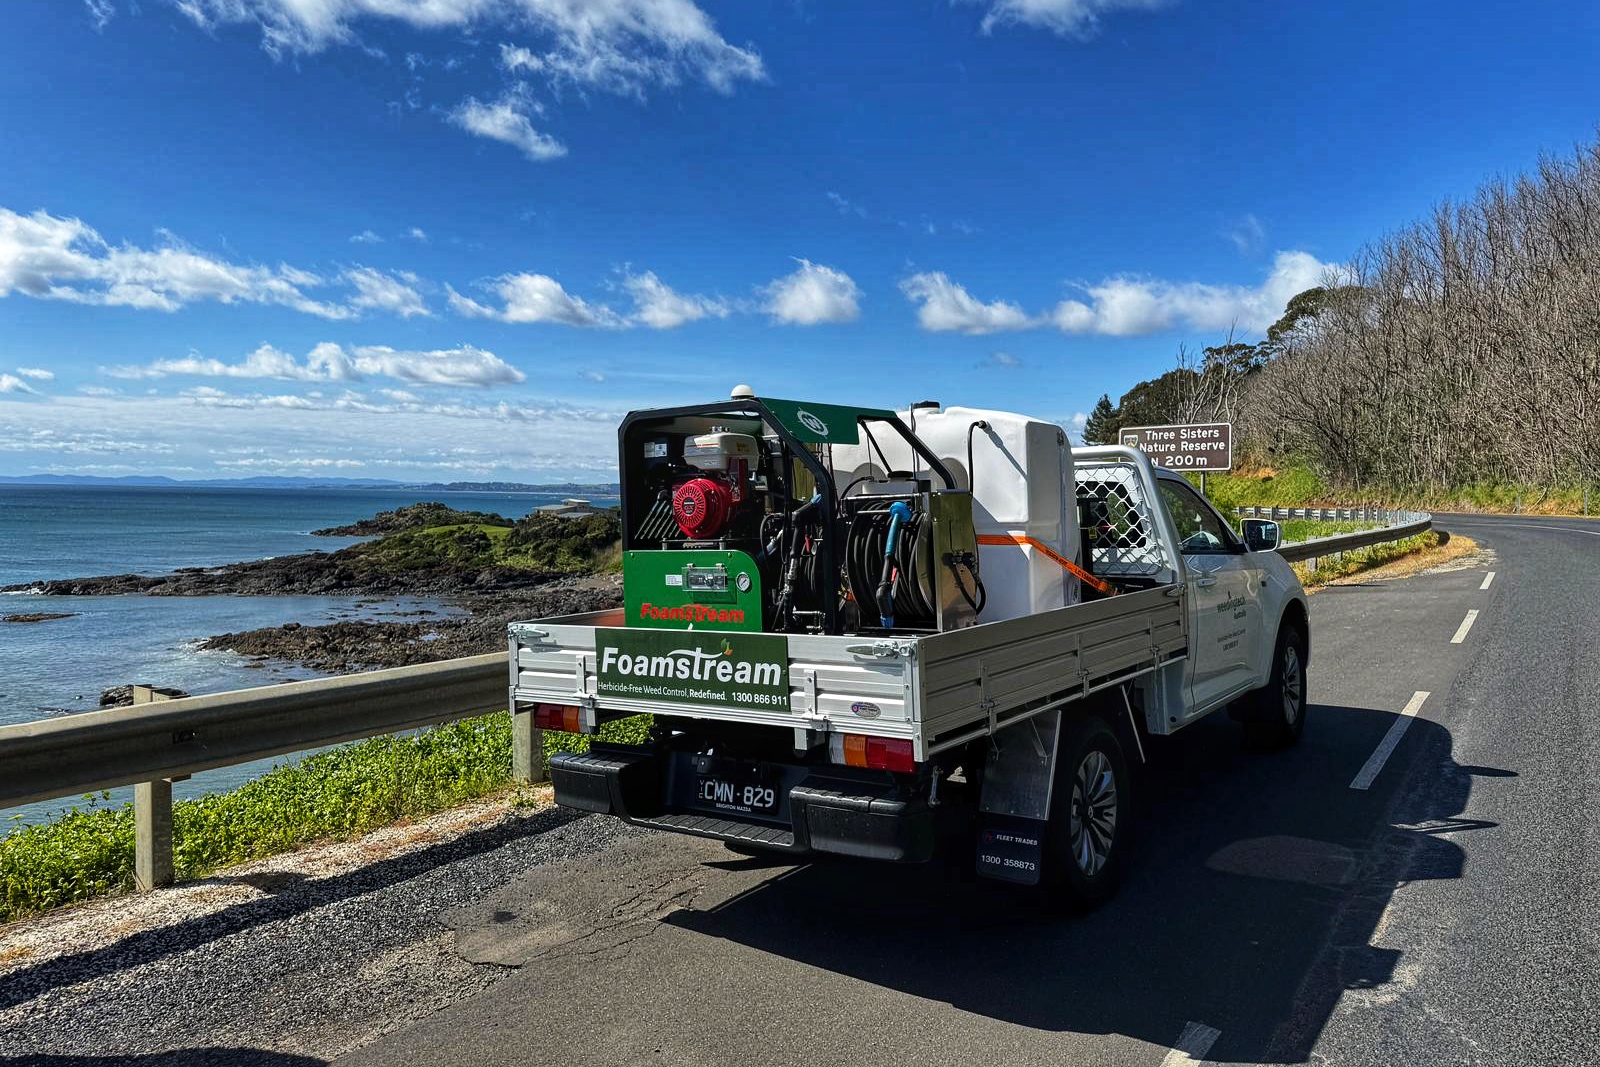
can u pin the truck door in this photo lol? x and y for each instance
(1224, 605)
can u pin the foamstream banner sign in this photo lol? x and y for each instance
(1204, 446)
(717, 669)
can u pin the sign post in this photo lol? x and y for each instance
(1201, 447)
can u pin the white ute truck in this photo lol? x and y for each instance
(861, 632)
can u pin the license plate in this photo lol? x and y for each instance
(735, 794)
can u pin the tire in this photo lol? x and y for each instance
(1275, 715)
(1090, 816)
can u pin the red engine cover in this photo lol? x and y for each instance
(702, 507)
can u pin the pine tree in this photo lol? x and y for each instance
(1101, 426)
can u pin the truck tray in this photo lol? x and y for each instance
(937, 690)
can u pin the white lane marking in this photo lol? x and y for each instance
(1193, 1044)
(1544, 526)
(1466, 624)
(1487, 578)
(1369, 771)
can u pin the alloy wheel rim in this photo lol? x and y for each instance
(1094, 812)
(1294, 687)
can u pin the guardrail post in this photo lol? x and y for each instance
(527, 746)
(152, 817)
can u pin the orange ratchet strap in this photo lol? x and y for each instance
(1062, 561)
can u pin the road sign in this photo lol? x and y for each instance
(1206, 446)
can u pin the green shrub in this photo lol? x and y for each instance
(549, 542)
(1364, 559)
(1290, 487)
(634, 730)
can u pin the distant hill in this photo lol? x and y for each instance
(572, 489)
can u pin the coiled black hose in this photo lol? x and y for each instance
(864, 560)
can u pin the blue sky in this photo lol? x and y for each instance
(456, 239)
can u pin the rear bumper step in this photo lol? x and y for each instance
(827, 812)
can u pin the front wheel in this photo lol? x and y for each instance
(1275, 714)
(1089, 815)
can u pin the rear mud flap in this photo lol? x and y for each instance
(1010, 848)
(1015, 804)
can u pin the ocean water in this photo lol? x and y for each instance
(59, 667)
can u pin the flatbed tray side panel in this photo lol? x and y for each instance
(1019, 661)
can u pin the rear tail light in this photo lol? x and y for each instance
(564, 717)
(887, 754)
(874, 753)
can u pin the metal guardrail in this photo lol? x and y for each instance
(151, 745)
(1397, 525)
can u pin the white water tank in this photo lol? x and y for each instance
(1023, 497)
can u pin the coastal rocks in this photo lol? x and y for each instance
(37, 616)
(359, 645)
(415, 516)
(121, 696)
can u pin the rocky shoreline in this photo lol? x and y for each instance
(532, 568)
(339, 647)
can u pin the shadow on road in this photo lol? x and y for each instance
(1250, 906)
(185, 1057)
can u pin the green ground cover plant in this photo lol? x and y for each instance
(337, 794)
(1364, 559)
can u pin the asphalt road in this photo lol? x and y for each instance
(1446, 912)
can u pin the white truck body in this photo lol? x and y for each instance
(1198, 635)
(1198, 621)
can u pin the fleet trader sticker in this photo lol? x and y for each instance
(717, 669)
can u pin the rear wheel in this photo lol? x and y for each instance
(1275, 714)
(1089, 815)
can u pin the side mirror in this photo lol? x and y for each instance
(1261, 535)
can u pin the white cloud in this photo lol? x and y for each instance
(812, 295)
(1247, 234)
(1003, 360)
(100, 12)
(418, 234)
(206, 435)
(506, 120)
(624, 47)
(1128, 306)
(394, 293)
(847, 207)
(1068, 18)
(461, 366)
(619, 46)
(535, 298)
(366, 237)
(10, 383)
(659, 306)
(38, 374)
(96, 390)
(948, 307)
(53, 258)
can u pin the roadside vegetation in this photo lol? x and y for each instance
(1299, 486)
(1453, 364)
(1393, 560)
(333, 795)
(537, 543)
